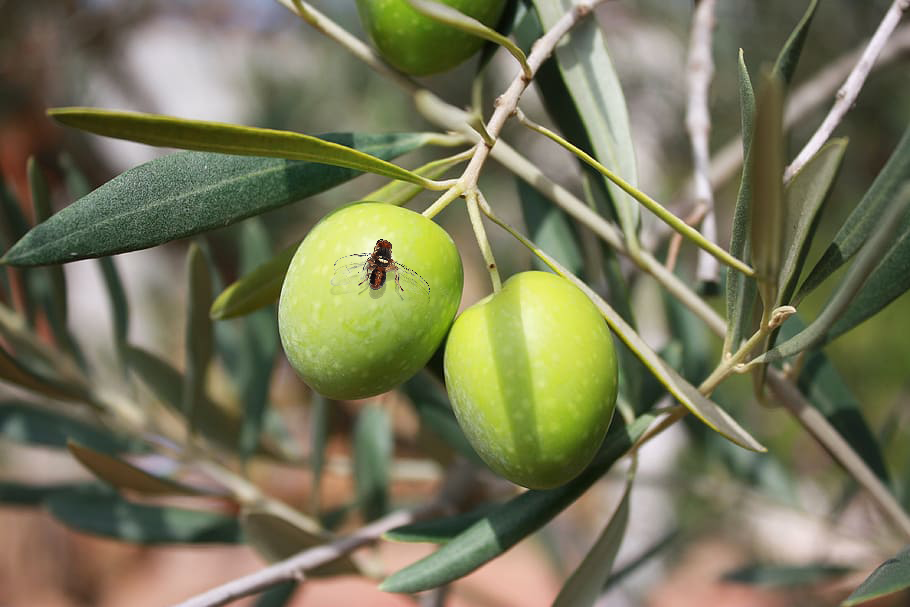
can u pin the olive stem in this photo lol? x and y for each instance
(444, 200)
(471, 198)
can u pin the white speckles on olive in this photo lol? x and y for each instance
(358, 342)
(532, 376)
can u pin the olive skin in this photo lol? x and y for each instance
(348, 340)
(532, 376)
(418, 45)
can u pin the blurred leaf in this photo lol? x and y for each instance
(182, 194)
(595, 88)
(804, 196)
(109, 515)
(13, 226)
(875, 261)
(768, 215)
(741, 289)
(372, 460)
(827, 391)
(585, 584)
(888, 281)
(260, 341)
(549, 228)
(49, 284)
(785, 576)
(440, 530)
(221, 426)
(39, 426)
(858, 227)
(512, 521)
(432, 404)
(646, 555)
(199, 335)
(205, 136)
(20, 494)
(455, 18)
(256, 289)
(118, 302)
(276, 539)
(279, 595)
(785, 66)
(124, 475)
(40, 381)
(891, 576)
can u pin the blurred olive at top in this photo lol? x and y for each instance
(418, 45)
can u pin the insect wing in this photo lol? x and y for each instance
(350, 269)
(411, 282)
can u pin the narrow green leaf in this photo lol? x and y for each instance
(33, 425)
(785, 576)
(204, 136)
(595, 88)
(372, 460)
(512, 521)
(109, 515)
(858, 227)
(432, 404)
(888, 281)
(260, 341)
(441, 530)
(766, 156)
(455, 18)
(256, 289)
(785, 66)
(20, 494)
(182, 194)
(586, 583)
(199, 334)
(888, 578)
(124, 475)
(803, 199)
(275, 539)
(875, 253)
(703, 408)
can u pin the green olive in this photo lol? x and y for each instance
(344, 337)
(418, 45)
(532, 376)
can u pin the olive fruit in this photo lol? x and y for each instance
(532, 376)
(355, 322)
(418, 45)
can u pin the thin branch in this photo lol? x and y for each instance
(700, 71)
(727, 160)
(846, 95)
(294, 567)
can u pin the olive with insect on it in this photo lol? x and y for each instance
(357, 319)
